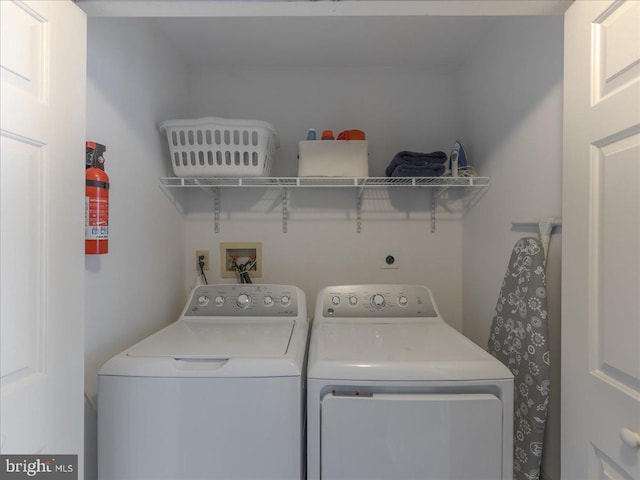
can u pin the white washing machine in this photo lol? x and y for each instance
(219, 394)
(393, 392)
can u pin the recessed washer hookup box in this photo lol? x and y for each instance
(333, 158)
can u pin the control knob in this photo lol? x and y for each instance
(243, 301)
(203, 300)
(219, 301)
(377, 301)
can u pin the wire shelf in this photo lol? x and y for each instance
(211, 185)
(363, 182)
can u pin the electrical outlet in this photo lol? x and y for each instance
(389, 260)
(205, 254)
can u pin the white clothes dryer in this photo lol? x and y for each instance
(393, 392)
(219, 394)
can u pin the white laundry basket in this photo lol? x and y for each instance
(220, 147)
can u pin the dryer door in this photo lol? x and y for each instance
(409, 436)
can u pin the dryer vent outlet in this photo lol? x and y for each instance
(389, 260)
(242, 253)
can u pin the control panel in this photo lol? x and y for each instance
(246, 300)
(351, 301)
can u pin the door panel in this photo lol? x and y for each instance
(24, 63)
(615, 188)
(616, 37)
(409, 436)
(22, 246)
(601, 230)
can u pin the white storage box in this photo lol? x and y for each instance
(333, 158)
(220, 147)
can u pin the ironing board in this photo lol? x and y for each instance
(519, 339)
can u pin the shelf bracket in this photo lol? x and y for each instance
(359, 193)
(216, 209)
(433, 194)
(285, 209)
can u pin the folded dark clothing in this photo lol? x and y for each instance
(415, 158)
(429, 170)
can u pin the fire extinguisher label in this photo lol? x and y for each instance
(96, 218)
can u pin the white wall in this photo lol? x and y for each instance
(323, 248)
(512, 91)
(397, 110)
(134, 290)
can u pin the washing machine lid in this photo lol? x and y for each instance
(231, 339)
(414, 351)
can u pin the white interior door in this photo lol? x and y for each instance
(43, 77)
(601, 245)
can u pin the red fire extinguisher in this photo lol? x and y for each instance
(96, 236)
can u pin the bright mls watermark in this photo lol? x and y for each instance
(50, 467)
